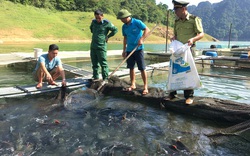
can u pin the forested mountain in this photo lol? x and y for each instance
(146, 10)
(218, 17)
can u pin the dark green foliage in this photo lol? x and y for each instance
(217, 18)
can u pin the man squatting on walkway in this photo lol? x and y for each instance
(100, 29)
(49, 68)
(187, 29)
(132, 31)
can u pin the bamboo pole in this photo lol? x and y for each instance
(229, 35)
(98, 89)
(166, 50)
(130, 54)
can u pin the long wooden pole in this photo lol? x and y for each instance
(126, 58)
(166, 50)
(229, 35)
(131, 53)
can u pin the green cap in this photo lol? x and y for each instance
(123, 14)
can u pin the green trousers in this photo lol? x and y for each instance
(99, 57)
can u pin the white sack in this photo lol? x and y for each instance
(182, 73)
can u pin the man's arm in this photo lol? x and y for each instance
(145, 34)
(198, 29)
(191, 41)
(91, 27)
(44, 69)
(124, 47)
(113, 30)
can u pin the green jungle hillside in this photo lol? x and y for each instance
(21, 23)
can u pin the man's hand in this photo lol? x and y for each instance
(140, 42)
(191, 41)
(49, 77)
(64, 83)
(124, 54)
(173, 38)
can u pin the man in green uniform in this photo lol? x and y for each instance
(187, 29)
(101, 30)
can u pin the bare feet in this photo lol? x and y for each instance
(145, 91)
(52, 83)
(39, 85)
(129, 89)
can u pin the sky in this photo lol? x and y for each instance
(192, 2)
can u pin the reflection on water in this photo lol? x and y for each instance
(11, 76)
(107, 126)
(222, 88)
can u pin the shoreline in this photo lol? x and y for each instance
(22, 41)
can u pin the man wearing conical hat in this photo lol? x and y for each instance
(187, 29)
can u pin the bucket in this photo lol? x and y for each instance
(37, 52)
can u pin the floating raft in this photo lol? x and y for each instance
(83, 80)
(225, 58)
(31, 89)
(18, 91)
(222, 61)
(77, 71)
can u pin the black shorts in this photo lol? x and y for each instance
(138, 57)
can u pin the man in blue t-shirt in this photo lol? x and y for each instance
(49, 68)
(134, 32)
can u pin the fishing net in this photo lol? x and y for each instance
(80, 99)
(241, 131)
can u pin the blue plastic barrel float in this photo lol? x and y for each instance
(212, 54)
(243, 56)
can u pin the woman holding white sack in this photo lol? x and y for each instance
(188, 29)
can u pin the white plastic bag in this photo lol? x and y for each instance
(182, 73)
(177, 48)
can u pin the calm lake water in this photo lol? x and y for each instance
(40, 125)
(28, 47)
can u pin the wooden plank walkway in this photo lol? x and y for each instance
(77, 71)
(18, 91)
(31, 89)
(224, 61)
(224, 58)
